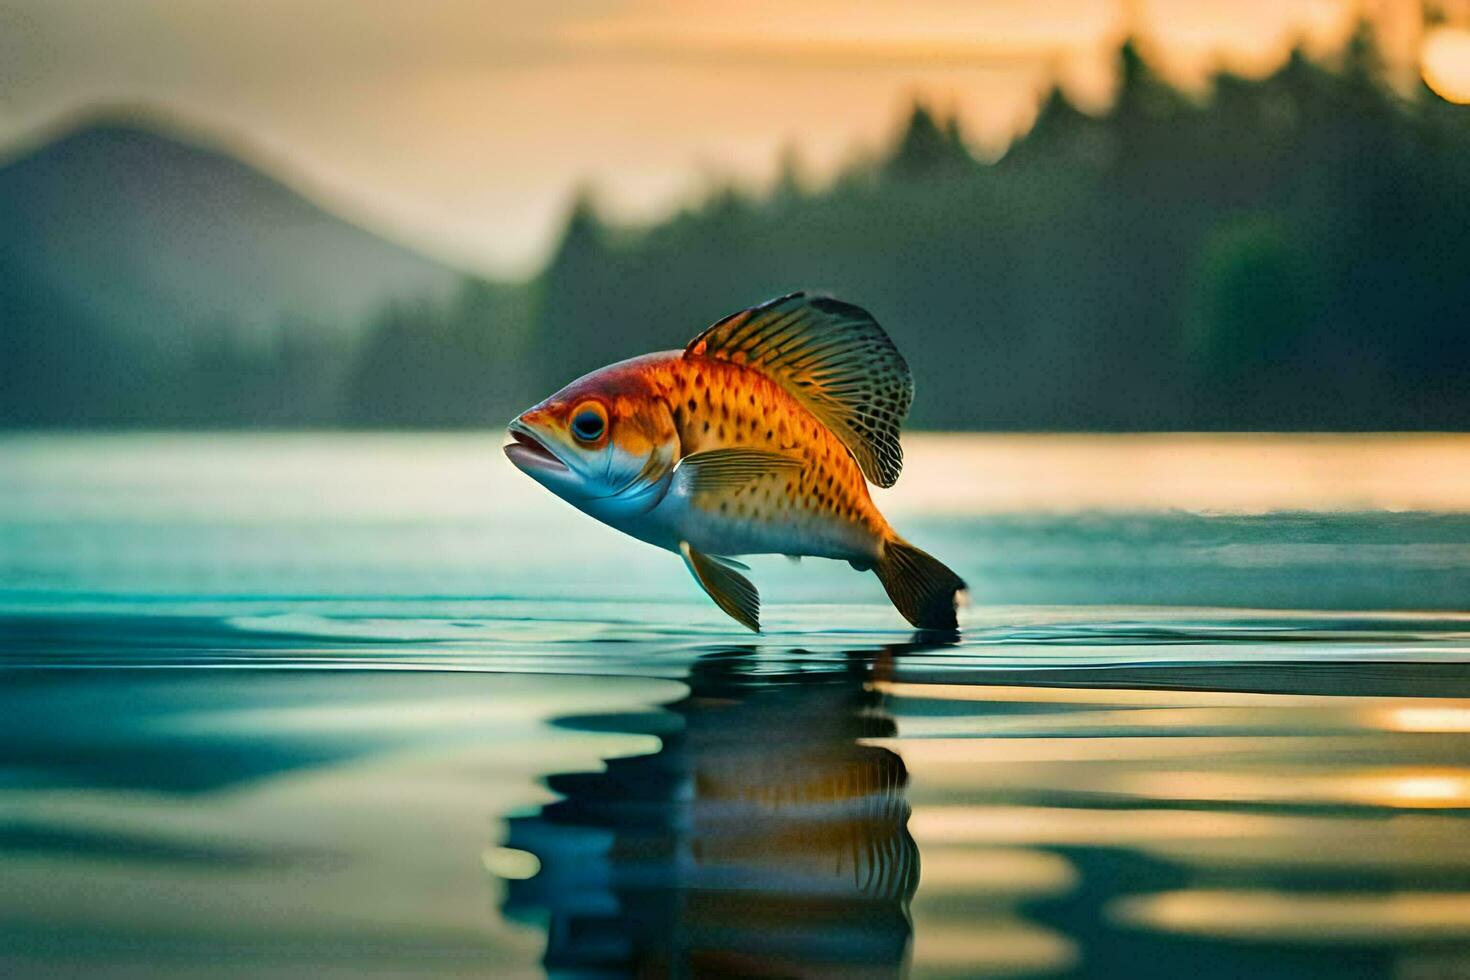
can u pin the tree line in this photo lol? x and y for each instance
(1291, 253)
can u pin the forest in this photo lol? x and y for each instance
(1292, 253)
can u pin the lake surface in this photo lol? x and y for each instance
(273, 705)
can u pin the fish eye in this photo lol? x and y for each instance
(589, 423)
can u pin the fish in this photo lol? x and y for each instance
(759, 437)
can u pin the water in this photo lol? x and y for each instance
(272, 705)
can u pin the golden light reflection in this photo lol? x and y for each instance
(1407, 788)
(1418, 839)
(1422, 718)
(1173, 722)
(1216, 473)
(1012, 826)
(944, 758)
(1124, 709)
(1305, 917)
(1214, 768)
(985, 948)
(1445, 63)
(1412, 788)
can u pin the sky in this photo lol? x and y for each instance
(463, 127)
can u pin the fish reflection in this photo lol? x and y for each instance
(762, 840)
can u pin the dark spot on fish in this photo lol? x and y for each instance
(706, 425)
(693, 405)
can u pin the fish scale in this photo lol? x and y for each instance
(736, 406)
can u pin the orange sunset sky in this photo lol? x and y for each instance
(462, 126)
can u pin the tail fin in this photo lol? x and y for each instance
(922, 588)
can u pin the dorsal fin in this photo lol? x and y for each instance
(836, 360)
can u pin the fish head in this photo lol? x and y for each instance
(605, 443)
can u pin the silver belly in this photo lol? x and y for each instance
(675, 520)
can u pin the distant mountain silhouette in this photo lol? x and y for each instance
(129, 236)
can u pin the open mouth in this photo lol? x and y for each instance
(527, 450)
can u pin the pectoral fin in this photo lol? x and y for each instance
(729, 469)
(731, 591)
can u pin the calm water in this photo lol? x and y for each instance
(278, 705)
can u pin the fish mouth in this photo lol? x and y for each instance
(529, 452)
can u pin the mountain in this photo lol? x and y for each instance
(130, 237)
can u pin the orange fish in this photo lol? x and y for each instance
(759, 437)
